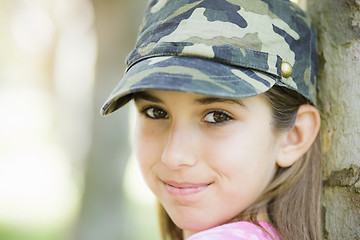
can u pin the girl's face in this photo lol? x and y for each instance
(206, 159)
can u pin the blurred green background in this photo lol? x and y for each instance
(65, 171)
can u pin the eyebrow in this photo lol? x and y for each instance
(210, 100)
(201, 100)
(147, 97)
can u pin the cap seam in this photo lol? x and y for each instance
(232, 62)
(210, 76)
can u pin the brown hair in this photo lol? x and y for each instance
(292, 199)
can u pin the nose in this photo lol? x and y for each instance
(180, 148)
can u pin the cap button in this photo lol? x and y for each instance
(286, 69)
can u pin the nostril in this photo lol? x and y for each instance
(178, 155)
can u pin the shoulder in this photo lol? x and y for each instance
(237, 231)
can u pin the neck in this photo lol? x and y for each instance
(262, 216)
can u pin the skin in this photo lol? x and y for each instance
(206, 159)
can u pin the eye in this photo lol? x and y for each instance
(155, 113)
(217, 117)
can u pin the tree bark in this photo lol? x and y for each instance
(338, 25)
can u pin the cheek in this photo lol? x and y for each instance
(148, 148)
(143, 146)
(242, 154)
(230, 147)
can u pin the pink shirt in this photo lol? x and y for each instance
(237, 231)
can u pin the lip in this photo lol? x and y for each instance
(184, 189)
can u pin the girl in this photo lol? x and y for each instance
(227, 131)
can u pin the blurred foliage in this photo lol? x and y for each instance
(59, 59)
(9, 233)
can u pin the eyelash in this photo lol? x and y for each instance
(222, 113)
(145, 110)
(227, 116)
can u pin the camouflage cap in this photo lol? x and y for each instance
(222, 48)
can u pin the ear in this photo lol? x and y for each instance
(296, 141)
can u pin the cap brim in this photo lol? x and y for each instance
(188, 74)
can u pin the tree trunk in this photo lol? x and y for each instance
(338, 24)
(105, 213)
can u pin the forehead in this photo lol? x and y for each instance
(161, 96)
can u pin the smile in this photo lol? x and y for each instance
(184, 189)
